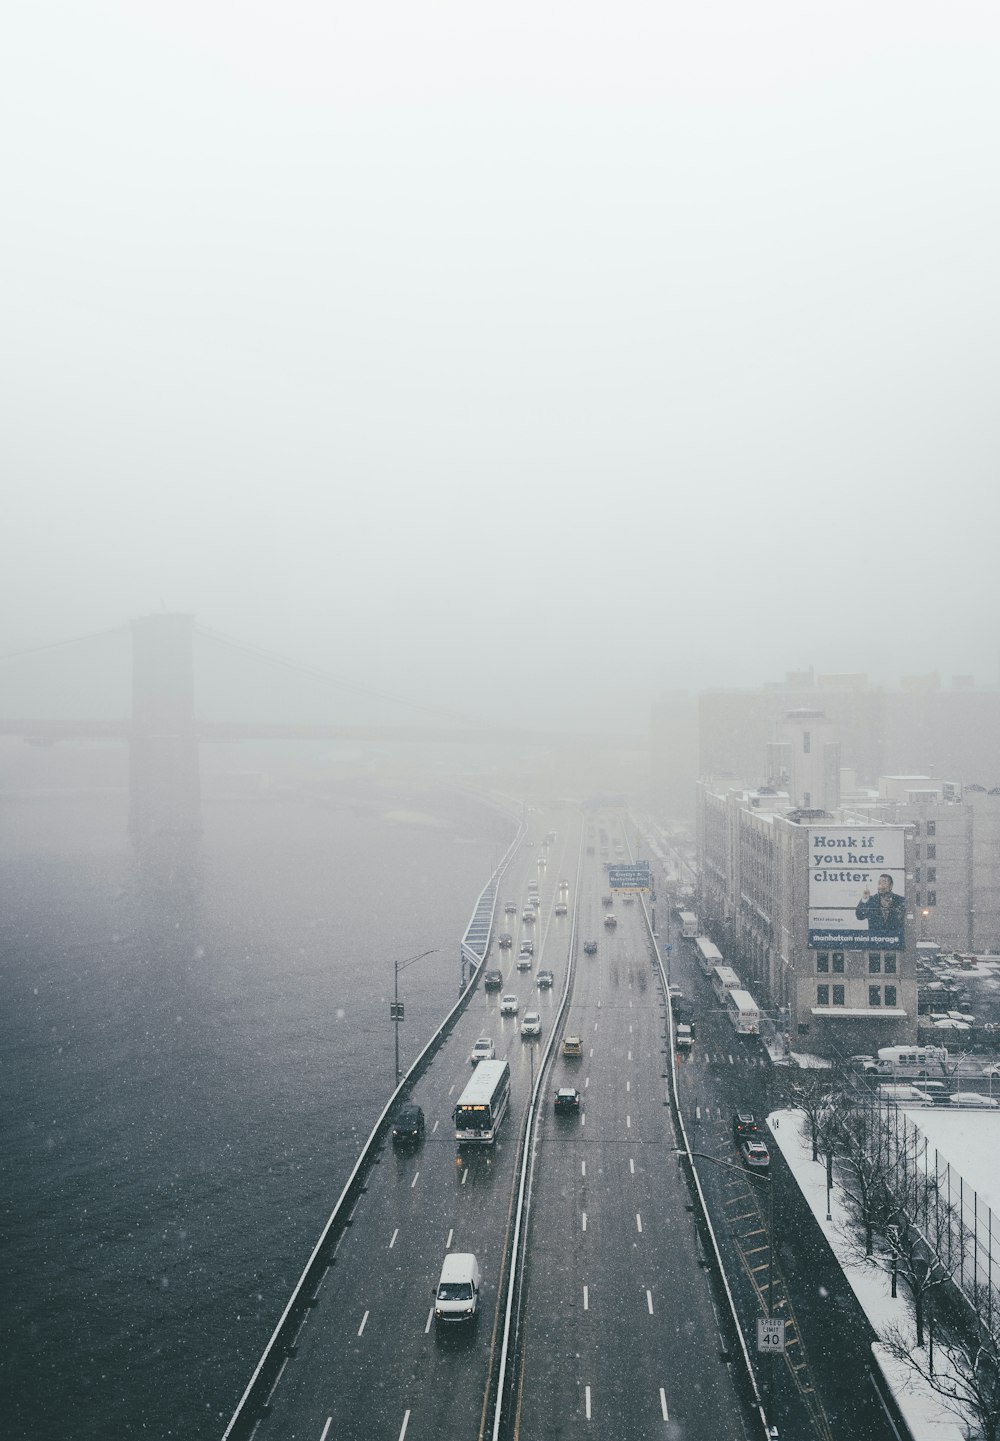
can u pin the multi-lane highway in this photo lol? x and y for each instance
(616, 1327)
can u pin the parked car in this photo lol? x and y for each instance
(755, 1154)
(408, 1127)
(567, 1102)
(544, 980)
(590, 948)
(572, 1047)
(508, 1006)
(483, 1050)
(531, 1024)
(493, 980)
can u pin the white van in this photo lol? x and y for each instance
(456, 1295)
(910, 1062)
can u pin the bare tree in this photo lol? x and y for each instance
(865, 1171)
(965, 1373)
(810, 1092)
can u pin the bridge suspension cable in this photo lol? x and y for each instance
(437, 712)
(62, 644)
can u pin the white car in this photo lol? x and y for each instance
(992, 1071)
(483, 1050)
(524, 961)
(508, 1005)
(973, 1098)
(531, 1025)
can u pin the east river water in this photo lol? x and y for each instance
(189, 1067)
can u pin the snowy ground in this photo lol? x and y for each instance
(971, 1142)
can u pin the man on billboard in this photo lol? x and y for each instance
(884, 912)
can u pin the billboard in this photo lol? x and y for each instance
(857, 888)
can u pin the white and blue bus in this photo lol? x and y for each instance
(483, 1104)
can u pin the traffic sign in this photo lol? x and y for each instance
(771, 1335)
(629, 878)
(395, 1010)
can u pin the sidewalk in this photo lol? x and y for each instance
(925, 1413)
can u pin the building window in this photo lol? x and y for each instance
(838, 995)
(890, 995)
(931, 874)
(932, 853)
(874, 996)
(890, 963)
(874, 963)
(822, 995)
(916, 851)
(916, 875)
(932, 828)
(822, 962)
(805, 743)
(932, 898)
(838, 962)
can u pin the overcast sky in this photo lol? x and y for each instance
(516, 356)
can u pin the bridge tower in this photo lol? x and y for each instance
(164, 781)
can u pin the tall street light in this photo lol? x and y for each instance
(396, 1005)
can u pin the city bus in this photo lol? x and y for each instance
(483, 1104)
(709, 955)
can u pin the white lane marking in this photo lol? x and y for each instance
(587, 1395)
(406, 1422)
(465, 1176)
(430, 1318)
(628, 1123)
(630, 1027)
(697, 1113)
(416, 1177)
(598, 1007)
(586, 1299)
(638, 1222)
(364, 1323)
(630, 1005)
(326, 1428)
(628, 1085)
(449, 1093)
(630, 1055)
(731, 1060)
(586, 1083)
(435, 1126)
(595, 1025)
(663, 1404)
(447, 1244)
(394, 1235)
(583, 1118)
(631, 1165)
(591, 1050)
(649, 1301)
(584, 1220)
(277, 1378)
(583, 1168)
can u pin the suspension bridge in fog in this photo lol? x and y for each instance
(154, 683)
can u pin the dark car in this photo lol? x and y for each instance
(590, 948)
(544, 979)
(408, 1127)
(567, 1102)
(505, 940)
(493, 981)
(745, 1125)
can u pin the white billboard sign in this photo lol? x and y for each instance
(857, 888)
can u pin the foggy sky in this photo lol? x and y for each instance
(529, 358)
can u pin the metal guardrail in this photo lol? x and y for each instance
(256, 1399)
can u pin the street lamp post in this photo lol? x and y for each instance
(396, 1009)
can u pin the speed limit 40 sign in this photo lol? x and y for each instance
(771, 1336)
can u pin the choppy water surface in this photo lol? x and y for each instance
(188, 1071)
